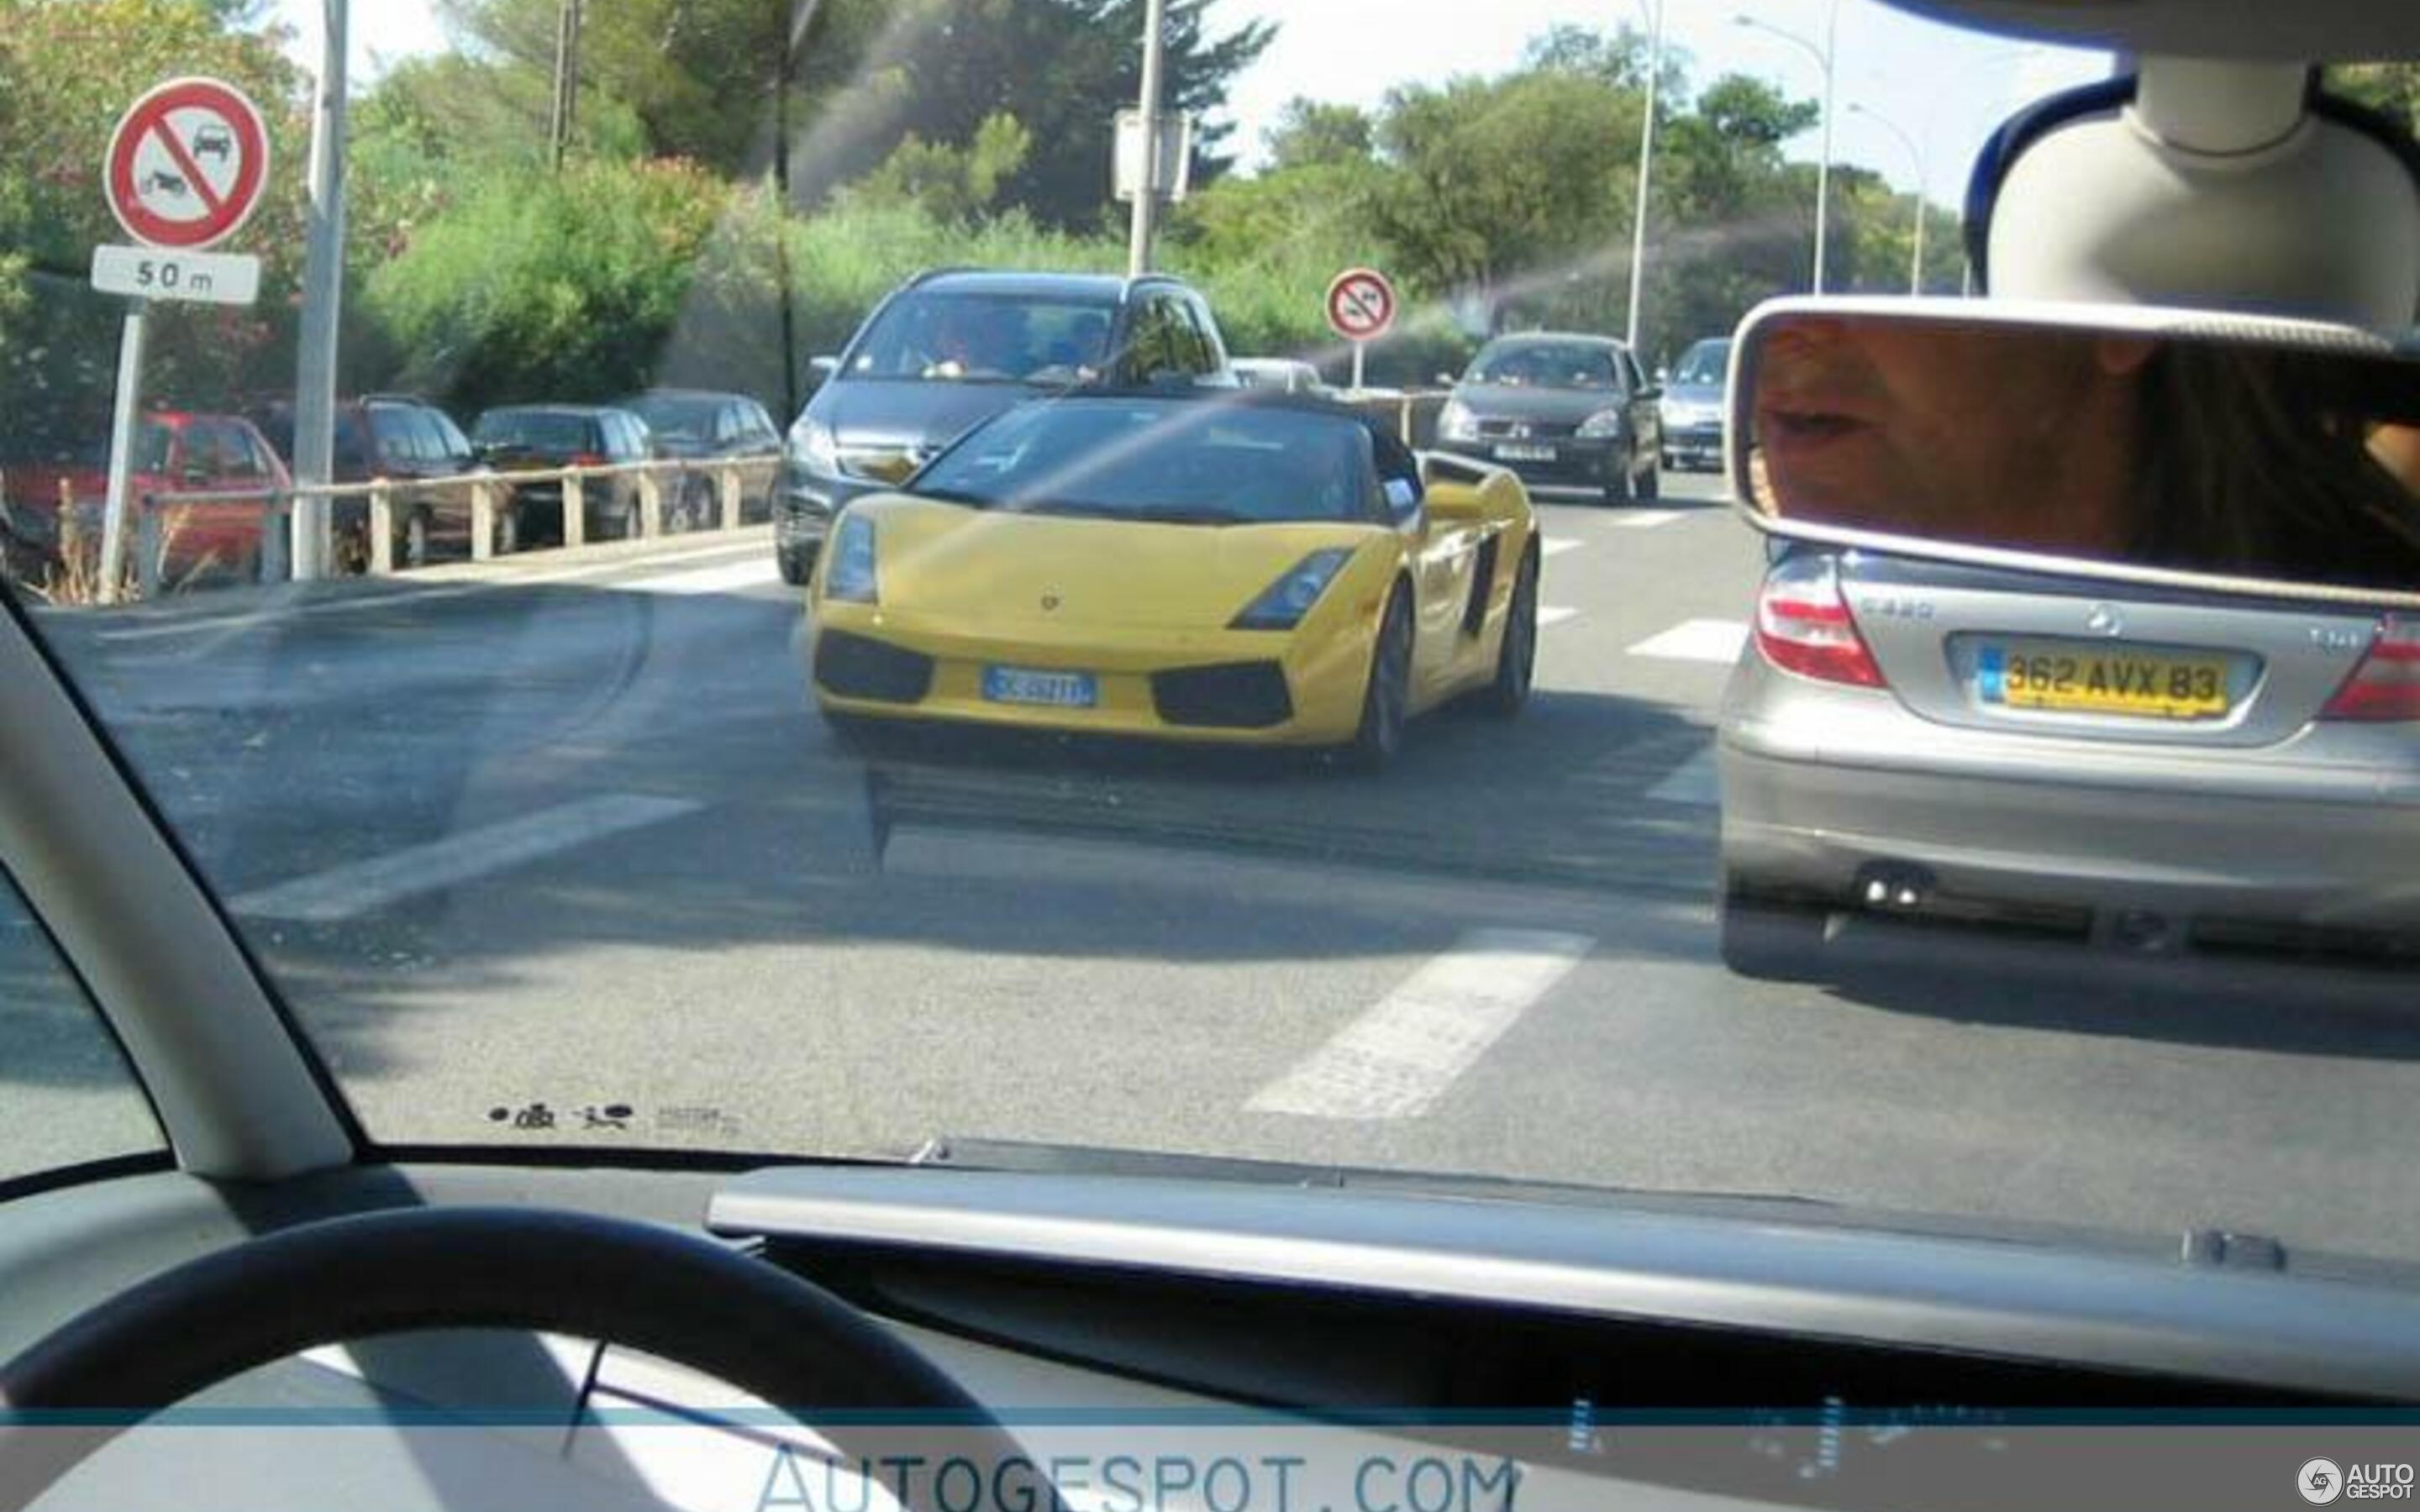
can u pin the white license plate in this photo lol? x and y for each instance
(1524, 453)
(1060, 690)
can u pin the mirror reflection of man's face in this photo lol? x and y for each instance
(2017, 437)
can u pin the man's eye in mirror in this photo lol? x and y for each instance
(2226, 454)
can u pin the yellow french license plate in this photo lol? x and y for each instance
(2095, 679)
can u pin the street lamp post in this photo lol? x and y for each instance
(1923, 185)
(1645, 167)
(1823, 55)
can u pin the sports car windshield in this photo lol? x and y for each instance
(1051, 752)
(1184, 460)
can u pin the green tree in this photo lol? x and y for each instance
(700, 78)
(1310, 133)
(1516, 191)
(951, 183)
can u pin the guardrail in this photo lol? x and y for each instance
(1413, 411)
(486, 496)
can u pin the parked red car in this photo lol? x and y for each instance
(175, 451)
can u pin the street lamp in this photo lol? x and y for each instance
(1923, 182)
(1646, 166)
(1823, 56)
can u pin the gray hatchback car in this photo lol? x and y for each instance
(2143, 766)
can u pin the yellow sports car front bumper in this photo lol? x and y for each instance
(1264, 688)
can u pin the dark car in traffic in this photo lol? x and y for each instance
(702, 425)
(1562, 411)
(406, 439)
(1694, 405)
(947, 349)
(532, 436)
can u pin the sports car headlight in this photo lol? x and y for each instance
(1603, 424)
(1456, 422)
(850, 575)
(813, 446)
(1289, 598)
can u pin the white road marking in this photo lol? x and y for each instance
(1557, 544)
(1695, 783)
(731, 577)
(347, 891)
(1647, 520)
(441, 589)
(1715, 641)
(1554, 614)
(1398, 1058)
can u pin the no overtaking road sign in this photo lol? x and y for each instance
(186, 164)
(1360, 304)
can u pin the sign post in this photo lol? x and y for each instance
(1360, 308)
(183, 171)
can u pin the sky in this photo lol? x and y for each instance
(1944, 90)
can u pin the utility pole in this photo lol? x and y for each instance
(566, 81)
(795, 20)
(1146, 200)
(323, 282)
(1645, 170)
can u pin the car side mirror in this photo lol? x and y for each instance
(1663, 376)
(820, 370)
(1445, 380)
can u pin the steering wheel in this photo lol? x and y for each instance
(684, 1299)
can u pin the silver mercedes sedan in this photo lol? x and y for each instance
(2145, 767)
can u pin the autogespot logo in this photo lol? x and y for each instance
(2322, 1482)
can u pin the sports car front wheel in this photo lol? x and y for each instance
(1387, 702)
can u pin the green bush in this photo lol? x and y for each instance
(546, 286)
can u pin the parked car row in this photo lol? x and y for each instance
(411, 442)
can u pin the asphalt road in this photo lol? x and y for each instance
(566, 833)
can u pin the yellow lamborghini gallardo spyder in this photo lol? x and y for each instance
(1196, 565)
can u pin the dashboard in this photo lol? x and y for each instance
(1156, 1343)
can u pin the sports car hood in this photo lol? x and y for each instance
(1000, 568)
(912, 416)
(1520, 401)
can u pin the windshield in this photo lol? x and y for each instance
(1704, 364)
(680, 417)
(1045, 745)
(985, 338)
(1191, 461)
(1546, 365)
(535, 430)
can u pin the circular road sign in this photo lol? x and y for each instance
(1360, 304)
(186, 164)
